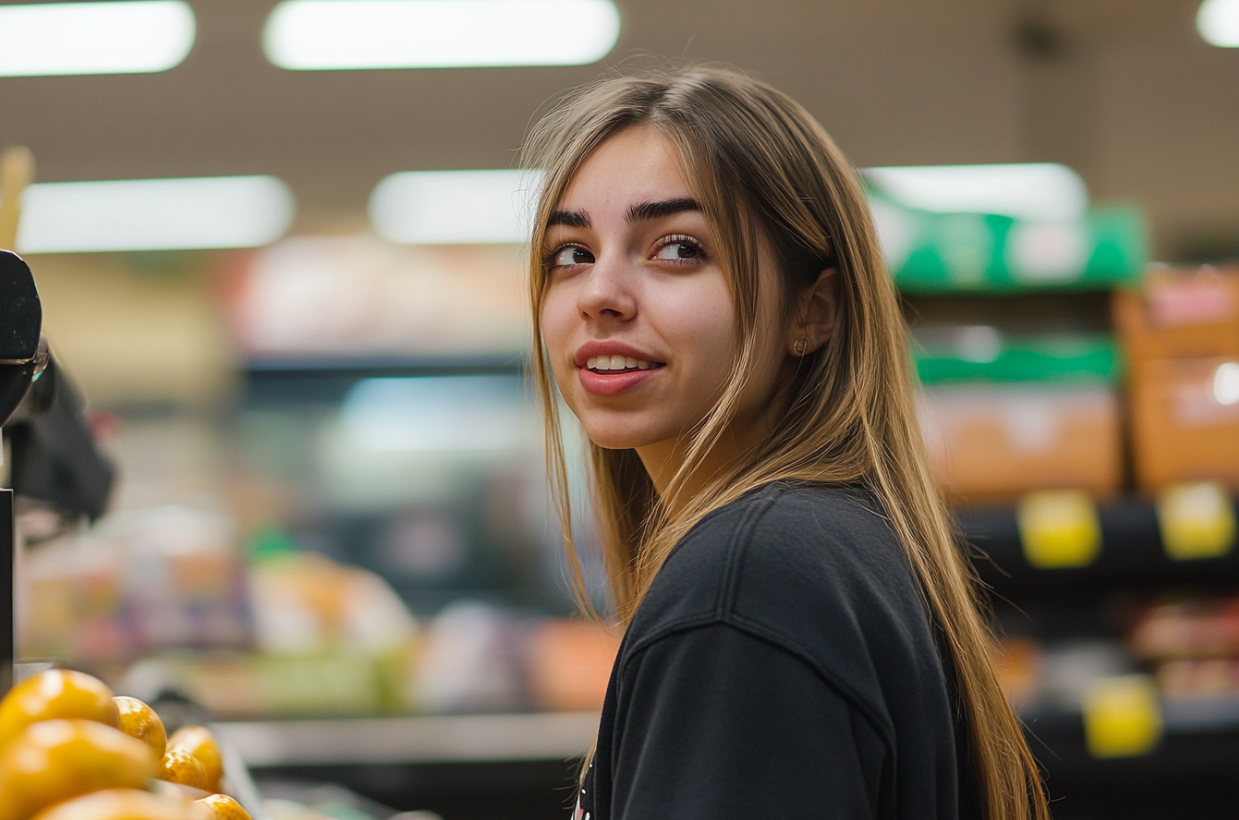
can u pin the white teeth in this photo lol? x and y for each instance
(607, 363)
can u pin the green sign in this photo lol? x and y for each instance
(942, 252)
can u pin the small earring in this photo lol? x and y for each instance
(800, 345)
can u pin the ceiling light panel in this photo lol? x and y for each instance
(94, 38)
(1218, 22)
(1037, 191)
(454, 207)
(360, 34)
(154, 214)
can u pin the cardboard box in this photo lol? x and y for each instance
(1185, 421)
(1184, 313)
(993, 442)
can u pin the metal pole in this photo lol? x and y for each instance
(8, 554)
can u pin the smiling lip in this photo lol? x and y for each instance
(614, 382)
(590, 349)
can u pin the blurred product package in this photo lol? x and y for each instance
(1193, 643)
(1181, 332)
(469, 661)
(1189, 642)
(158, 601)
(1003, 416)
(568, 662)
(359, 296)
(304, 603)
(1188, 628)
(329, 639)
(479, 657)
(137, 582)
(1057, 676)
(473, 657)
(1180, 314)
(1019, 663)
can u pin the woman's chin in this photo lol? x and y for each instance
(612, 439)
(617, 442)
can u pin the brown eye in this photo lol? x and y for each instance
(565, 257)
(678, 250)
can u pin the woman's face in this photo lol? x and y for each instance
(637, 318)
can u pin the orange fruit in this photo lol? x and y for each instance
(225, 807)
(199, 742)
(58, 759)
(179, 766)
(52, 695)
(140, 721)
(124, 804)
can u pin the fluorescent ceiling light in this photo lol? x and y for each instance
(154, 214)
(454, 207)
(94, 38)
(1036, 191)
(1218, 22)
(350, 34)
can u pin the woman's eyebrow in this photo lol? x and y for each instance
(573, 219)
(659, 210)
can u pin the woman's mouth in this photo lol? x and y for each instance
(611, 375)
(618, 364)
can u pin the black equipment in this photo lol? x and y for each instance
(52, 455)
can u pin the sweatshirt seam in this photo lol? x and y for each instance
(792, 647)
(751, 498)
(737, 555)
(761, 501)
(739, 546)
(779, 641)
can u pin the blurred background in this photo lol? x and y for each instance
(278, 247)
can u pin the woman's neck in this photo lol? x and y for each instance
(664, 459)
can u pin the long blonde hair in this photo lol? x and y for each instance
(763, 167)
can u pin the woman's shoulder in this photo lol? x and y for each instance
(813, 569)
(790, 528)
(825, 548)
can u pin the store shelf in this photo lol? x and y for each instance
(1203, 716)
(1132, 555)
(295, 379)
(412, 740)
(1180, 717)
(275, 367)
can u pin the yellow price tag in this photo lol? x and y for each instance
(1122, 716)
(1059, 529)
(1196, 520)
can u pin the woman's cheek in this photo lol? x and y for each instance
(557, 334)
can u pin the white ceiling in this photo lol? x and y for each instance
(1129, 95)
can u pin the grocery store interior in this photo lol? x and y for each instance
(292, 485)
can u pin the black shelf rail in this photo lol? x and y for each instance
(293, 367)
(1132, 556)
(327, 378)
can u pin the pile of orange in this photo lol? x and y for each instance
(71, 750)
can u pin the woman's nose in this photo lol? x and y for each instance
(607, 291)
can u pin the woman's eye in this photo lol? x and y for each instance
(679, 251)
(565, 257)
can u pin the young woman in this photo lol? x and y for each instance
(802, 638)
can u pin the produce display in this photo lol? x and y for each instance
(70, 750)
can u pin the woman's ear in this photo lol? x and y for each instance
(815, 314)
